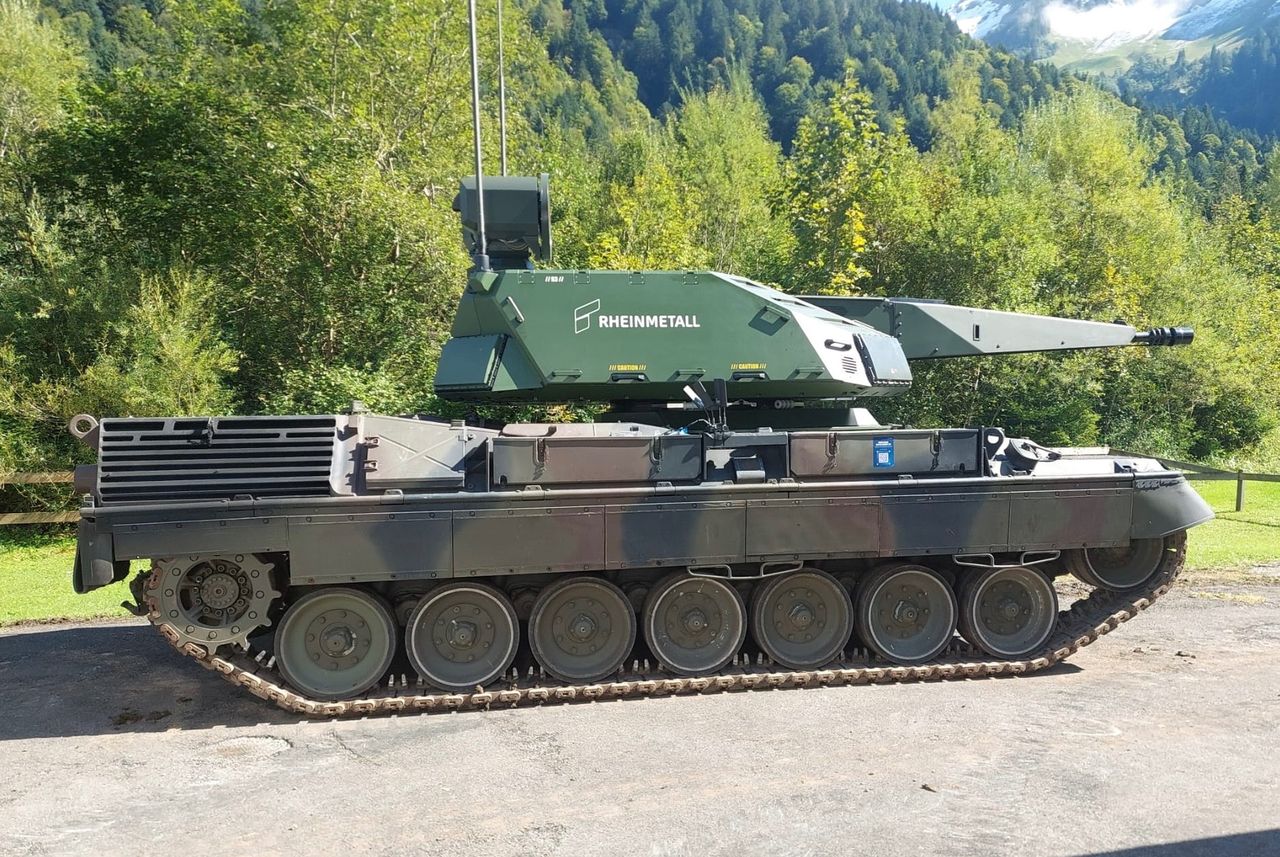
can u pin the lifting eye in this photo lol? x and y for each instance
(837, 346)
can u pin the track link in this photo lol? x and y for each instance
(1089, 618)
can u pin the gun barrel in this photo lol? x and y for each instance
(1165, 336)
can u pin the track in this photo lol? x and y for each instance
(1084, 622)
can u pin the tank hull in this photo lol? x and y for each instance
(347, 544)
(439, 536)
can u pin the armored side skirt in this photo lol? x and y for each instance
(433, 536)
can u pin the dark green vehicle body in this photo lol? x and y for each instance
(662, 484)
(573, 509)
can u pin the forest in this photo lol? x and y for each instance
(227, 207)
(1240, 84)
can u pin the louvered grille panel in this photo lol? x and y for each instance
(143, 460)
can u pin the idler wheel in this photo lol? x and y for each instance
(694, 625)
(906, 613)
(1117, 569)
(582, 629)
(1008, 612)
(336, 643)
(462, 635)
(803, 619)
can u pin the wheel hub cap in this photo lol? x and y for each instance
(1006, 607)
(338, 641)
(462, 634)
(801, 616)
(695, 621)
(906, 613)
(582, 628)
(219, 590)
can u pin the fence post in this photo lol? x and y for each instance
(1239, 490)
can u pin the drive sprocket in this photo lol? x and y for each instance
(211, 600)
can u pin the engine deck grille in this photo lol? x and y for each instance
(198, 458)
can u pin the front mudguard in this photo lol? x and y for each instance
(1165, 503)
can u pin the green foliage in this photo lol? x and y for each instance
(732, 169)
(837, 163)
(38, 74)
(646, 223)
(796, 55)
(245, 207)
(165, 357)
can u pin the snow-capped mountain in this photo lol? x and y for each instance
(1083, 27)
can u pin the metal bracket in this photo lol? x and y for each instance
(766, 570)
(515, 309)
(986, 560)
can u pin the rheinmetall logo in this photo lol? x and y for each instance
(582, 319)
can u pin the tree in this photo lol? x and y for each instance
(38, 74)
(733, 171)
(839, 157)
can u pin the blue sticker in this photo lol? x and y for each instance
(882, 452)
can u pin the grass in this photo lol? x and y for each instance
(1236, 540)
(35, 567)
(35, 581)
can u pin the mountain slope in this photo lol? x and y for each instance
(794, 51)
(1108, 35)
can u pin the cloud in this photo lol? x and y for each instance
(1115, 23)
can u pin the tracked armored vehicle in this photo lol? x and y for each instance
(732, 520)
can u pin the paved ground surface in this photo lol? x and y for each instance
(1162, 740)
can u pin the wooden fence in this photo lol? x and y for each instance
(59, 477)
(1195, 472)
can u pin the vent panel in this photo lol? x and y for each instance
(145, 460)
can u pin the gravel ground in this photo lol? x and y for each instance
(1160, 740)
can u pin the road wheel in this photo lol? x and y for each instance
(1117, 569)
(336, 643)
(906, 613)
(582, 629)
(694, 625)
(462, 636)
(803, 619)
(1008, 612)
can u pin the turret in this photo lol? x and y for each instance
(630, 337)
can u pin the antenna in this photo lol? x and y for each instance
(502, 93)
(481, 258)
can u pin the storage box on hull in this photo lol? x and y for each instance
(871, 453)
